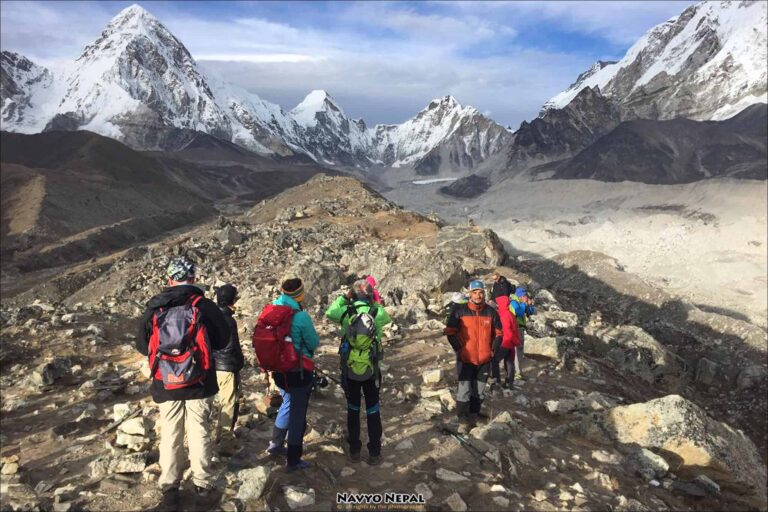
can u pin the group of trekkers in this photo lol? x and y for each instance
(194, 353)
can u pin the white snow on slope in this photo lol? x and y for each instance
(740, 27)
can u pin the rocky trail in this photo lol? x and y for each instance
(605, 419)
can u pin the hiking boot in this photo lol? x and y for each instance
(374, 460)
(519, 376)
(170, 502)
(302, 464)
(354, 457)
(506, 384)
(277, 450)
(464, 426)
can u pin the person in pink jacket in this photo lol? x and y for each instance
(372, 282)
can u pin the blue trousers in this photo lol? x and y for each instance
(296, 387)
(283, 413)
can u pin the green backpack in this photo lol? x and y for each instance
(361, 350)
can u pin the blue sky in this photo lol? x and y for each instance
(382, 61)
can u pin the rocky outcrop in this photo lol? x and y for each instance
(675, 425)
(634, 350)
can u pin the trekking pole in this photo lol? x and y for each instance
(467, 445)
(332, 379)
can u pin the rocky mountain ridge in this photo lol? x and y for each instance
(573, 435)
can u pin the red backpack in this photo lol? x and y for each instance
(272, 341)
(179, 349)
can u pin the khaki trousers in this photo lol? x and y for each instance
(227, 403)
(176, 418)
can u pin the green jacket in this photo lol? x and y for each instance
(335, 313)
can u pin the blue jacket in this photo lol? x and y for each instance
(520, 310)
(303, 332)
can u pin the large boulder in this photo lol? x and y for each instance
(550, 347)
(319, 280)
(674, 425)
(407, 272)
(551, 323)
(472, 242)
(635, 351)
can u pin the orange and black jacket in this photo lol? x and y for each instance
(474, 332)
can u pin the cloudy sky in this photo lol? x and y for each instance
(382, 61)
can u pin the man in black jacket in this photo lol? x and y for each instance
(229, 361)
(187, 408)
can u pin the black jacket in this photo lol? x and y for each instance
(502, 287)
(230, 358)
(218, 334)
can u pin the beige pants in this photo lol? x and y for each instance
(176, 418)
(227, 400)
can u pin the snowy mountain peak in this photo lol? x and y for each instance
(133, 14)
(446, 102)
(706, 63)
(316, 101)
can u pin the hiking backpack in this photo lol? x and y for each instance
(273, 344)
(360, 349)
(179, 348)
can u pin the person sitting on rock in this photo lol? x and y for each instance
(229, 361)
(500, 293)
(521, 306)
(361, 320)
(185, 406)
(296, 385)
(474, 331)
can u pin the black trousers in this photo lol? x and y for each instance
(508, 356)
(354, 390)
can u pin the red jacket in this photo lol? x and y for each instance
(511, 333)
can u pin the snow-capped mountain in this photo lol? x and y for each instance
(26, 90)
(139, 84)
(326, 133)
(445, 135)
(708, 63)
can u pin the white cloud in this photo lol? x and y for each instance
(621, 23)
(260, 57)
(448, 31)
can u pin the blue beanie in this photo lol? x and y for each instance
(520, 292)
(476, 285)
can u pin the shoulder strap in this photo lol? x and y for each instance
(197, 299)
(350, 307)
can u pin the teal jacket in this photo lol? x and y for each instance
(303, 332)
(336, 311)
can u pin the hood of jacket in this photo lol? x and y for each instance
(284, 300)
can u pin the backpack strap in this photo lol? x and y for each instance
(346, 313)
(197, 298)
